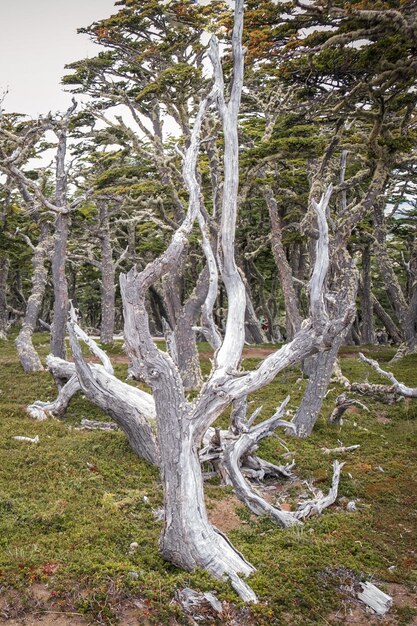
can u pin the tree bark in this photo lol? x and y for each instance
(321, 366)
(386, 320)
(253, 330)
(59, 278)
(28, 356)
(390, 280)
(292, 313)
(108, 276)
(4, 272)
(367, 318)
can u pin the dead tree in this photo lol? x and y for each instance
(188, 539)
(28, 356)
(387, 392)
(15, 149)
(38, 202)
(61, 234)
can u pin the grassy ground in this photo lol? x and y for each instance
(71, 505)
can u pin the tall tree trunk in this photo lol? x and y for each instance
(108, 276)
(320, 366)
(392, 329)
(253, 329)
(390, 280)
(320, 374)
(28, 356)
(293, 317)
(367, 321)
(4, 272)
(60, 284)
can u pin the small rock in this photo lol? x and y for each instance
(134, 575)
(351, 506)
(133, 547)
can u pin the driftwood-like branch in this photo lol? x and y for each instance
(42, 410)
(94, 348)
(239, 461)
(130, 417)
(95, 425)
(340, 449)
(317, 506)
(343, 402)
(400, 388)
(233, 454)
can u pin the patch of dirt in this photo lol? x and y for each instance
(382, 419)
(40, 593)
(223, 514)
(402, 596)
(35, 606)
(353, 410)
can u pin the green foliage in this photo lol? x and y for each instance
(72, 505)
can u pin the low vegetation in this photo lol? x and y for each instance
(79, 534)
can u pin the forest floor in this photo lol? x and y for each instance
(72, 505)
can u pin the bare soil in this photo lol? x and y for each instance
(223, 514)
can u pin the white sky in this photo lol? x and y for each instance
(37, 38)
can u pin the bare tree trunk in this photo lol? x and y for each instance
(367, 321)
(293, 317)
(391, 283)
(28, 356)
(387, 320)
(4, 272)
(321, 373)
(108, 276)
(321, 366)
(59, 257)
(183, 318)
(60, 284)
(188, 539)
(253, 330)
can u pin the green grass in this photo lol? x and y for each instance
(71, 506)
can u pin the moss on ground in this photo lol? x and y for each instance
(71, 505)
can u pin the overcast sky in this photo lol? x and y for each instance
(37, 38)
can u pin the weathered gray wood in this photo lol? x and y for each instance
(376, 599)
(367, 317)
(399, 388)
(108, 278)
(133, 421)
(96, 425)
(28, 356)
(4, 270)
(342, 403)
